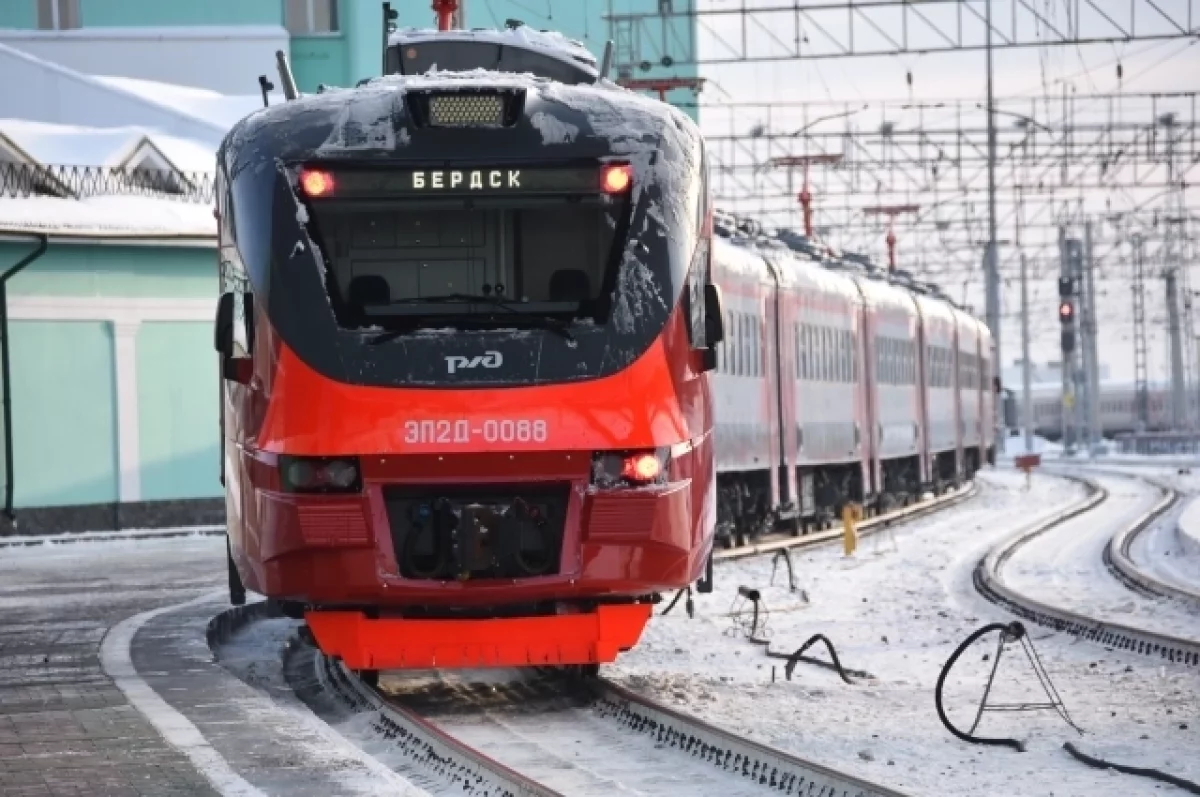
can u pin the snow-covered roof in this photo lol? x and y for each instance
(108, 217)
(549, 42)
(64, 212)
(224, 110)
(50, 92)
(125, 147)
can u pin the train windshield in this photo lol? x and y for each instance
(404, 265)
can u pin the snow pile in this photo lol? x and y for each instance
(108, 217)
(366, 124)
(224, 110)
(897, 611)
(1189, 528)
(50, 144)
(553, 129)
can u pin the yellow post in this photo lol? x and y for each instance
(850, 516)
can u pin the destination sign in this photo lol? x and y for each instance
(473, 179)
(500, 181)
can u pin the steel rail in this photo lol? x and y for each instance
(781, 540)
(774, 770)
(421, 742)
(989, 581)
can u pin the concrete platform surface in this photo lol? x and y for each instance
(107, 685)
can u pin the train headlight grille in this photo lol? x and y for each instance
(466, 110)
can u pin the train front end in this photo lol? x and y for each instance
(466, 329)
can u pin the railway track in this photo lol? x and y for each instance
(776, 541)
(558, 734)
(1119, 558)
(539, 733)
(990, 581)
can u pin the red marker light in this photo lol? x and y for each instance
(641, 467)
(316, 183)
(616, 179)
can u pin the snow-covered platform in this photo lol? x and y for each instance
(108, 686)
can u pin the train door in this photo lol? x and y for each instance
(922, 386)
(872, 463)
(777, 381)
(960, 466)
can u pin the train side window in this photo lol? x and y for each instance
(735, 340)
(743, 355)
(814, 352)
(826, 369)
(854, 357)
(841, 355)
(746, 345)
(835, 334)
(841, 345)
(884, 377)
(756, 337)
(849, 336)
(755, 347)
(848, 352)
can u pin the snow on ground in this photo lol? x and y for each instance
(1189, 528)
(1065, 567)
(899, 614)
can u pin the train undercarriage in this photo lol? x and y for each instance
(745, 511)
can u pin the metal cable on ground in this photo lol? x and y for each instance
(755, 631)
(1015, 630)
(690, 606)
(1099, 763)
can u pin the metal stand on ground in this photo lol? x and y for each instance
(1009, 632)
(783, 554)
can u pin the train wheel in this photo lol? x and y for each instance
(237, 590)
(368, 677)
(583, 672)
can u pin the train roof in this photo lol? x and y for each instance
(517, 34)
(934, 307)
(372, 121)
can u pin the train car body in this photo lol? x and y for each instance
(826, 330)
(942, 413)
(1118, 409)
(467, 331)
(895, 397)
(849, 386)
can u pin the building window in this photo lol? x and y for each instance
(312, 16)
(57, 14)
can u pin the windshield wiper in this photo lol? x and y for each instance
(547, 322)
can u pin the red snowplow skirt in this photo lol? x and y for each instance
(397, 644)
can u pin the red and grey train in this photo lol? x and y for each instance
(480, 386)
(838, 382)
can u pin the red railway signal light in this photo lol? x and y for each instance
(1066, 312)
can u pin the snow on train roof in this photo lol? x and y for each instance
(880, 293)
(802, 272)
(548, 41)
(933, 307)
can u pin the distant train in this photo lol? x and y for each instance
(838, 382)
(1118, 409)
